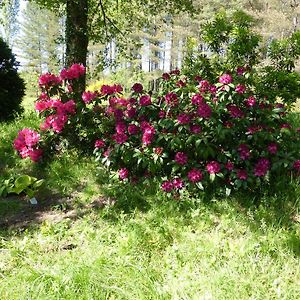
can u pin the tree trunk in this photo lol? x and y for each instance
(77, 34)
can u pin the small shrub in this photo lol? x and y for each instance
(11, 85)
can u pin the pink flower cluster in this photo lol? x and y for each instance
(47, 80)
(262, 166)
(169, 185)
(74, 72)
(59, 117)
(26, 144)
(88, 97)
(111, 89)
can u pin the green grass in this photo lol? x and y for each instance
(145, 246)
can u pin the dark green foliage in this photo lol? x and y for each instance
(11, 85)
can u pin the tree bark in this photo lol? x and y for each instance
(77, 34)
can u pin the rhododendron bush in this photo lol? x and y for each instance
(197, 133)
(192, 134)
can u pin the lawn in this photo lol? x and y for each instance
(91, 239)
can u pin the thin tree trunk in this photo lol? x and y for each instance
(76, 34)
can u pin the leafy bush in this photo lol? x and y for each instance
(11, 85)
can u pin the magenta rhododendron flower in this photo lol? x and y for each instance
(47, 80)
(120, 138)
(285, 126)
(184, 118)
(197, 99)
(130, 112)
(213, 89)
(171, 99)
(226, 79)
(261, 167)
(137, 88)
(251, 101)
(229, 166)
(178, 183)
(181, 83)
(121, 127)
(147, 137)
(166, 76)
(111, 89)
(145, 100)
(272, 148)
(175, 72)
(204, 86)
(26, 144)
(123, 173)
(118, 114)
(181, 158)
(296, 165)
(204, 111)
(158, 150)
(241, 174)
(254, 129)
(213, 167)
(56, 122)
(99, 144)
(74, 72)
(244, 151)
(133, 129)
(234, 111)
(195, 129)
(167, 186)
(35, 154)
(240, 89)
(240, 71)
(161, 114)
(198, 78)
(195, 175)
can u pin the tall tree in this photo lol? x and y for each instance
(38, 41)
(97, 20)
(9, 10)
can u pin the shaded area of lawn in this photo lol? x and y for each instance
(89, 238)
